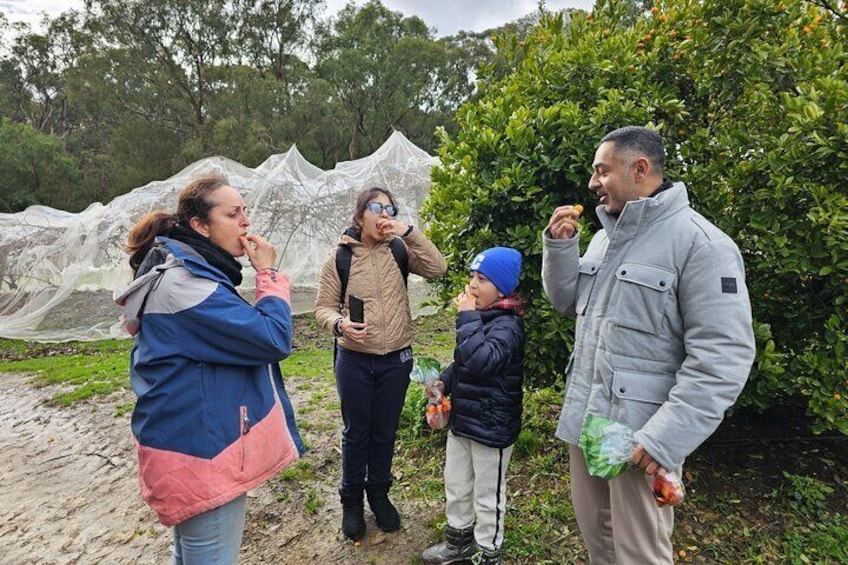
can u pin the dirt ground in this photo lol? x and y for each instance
(69, 491)
(69, 494)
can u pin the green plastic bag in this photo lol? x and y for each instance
(607, 446)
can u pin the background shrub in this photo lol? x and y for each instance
(751, 97)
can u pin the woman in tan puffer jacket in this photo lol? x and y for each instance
(373, 358)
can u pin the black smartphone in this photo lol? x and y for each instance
(357, 308)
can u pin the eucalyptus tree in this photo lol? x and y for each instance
(33, 81)
(217, 73)
(273, 36)
(382, 67)
(172, 45)
(258, 94)
(15, 97)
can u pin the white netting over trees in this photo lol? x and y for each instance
(58, 269)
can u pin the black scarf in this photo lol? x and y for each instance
(213, 253)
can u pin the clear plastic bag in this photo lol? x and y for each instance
(668, 490)
(438, 410)
(426, 372)
(607, 447)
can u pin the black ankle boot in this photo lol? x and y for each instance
(353, 519)
(386, 514)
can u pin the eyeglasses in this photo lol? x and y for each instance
(378, 207)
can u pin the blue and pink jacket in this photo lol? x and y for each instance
(212, 419)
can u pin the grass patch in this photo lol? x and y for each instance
(312, 502)
(309, 363)
(86, 369)
(821, 541)
(16, 350)
(302, 470)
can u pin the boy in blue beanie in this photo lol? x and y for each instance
(485, 384)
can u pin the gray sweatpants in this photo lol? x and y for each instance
(475, 483)
(619, 520)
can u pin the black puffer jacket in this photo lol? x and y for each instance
(485, 380)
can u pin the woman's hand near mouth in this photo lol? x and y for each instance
(260, 252)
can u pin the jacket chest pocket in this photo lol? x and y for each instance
(585, 281)
(640, 298)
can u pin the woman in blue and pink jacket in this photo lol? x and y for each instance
(212, 419)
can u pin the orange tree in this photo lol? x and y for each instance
(751, 97)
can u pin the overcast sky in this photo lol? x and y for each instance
(447, 16)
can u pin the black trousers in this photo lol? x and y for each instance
(372, 389)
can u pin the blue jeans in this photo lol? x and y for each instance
(372, 389)
(211, 538)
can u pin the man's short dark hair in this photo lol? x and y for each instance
(639, 140)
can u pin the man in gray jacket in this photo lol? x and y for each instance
(663, 343)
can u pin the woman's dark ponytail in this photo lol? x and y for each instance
(143, 234)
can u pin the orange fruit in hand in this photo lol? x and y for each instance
(668, 490)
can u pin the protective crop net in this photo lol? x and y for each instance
(58, 269)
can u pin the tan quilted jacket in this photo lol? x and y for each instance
(377, 280)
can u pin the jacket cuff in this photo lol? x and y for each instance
(413, 235)
(671, 462)
(271, 282)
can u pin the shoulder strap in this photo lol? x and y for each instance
(345, 253)
(399, 252)
(343, 256)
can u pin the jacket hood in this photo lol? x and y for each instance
(347, 239)
(167, 254)
(133, 297)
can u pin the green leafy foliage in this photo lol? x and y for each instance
(751, 97)
(808, 495)
(822, 542)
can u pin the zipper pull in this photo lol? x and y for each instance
(245, 421)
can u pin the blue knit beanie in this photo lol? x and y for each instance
(501, 265)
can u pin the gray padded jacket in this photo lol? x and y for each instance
(664, 340)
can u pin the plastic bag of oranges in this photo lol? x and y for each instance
(426, 372)
(438, 410)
